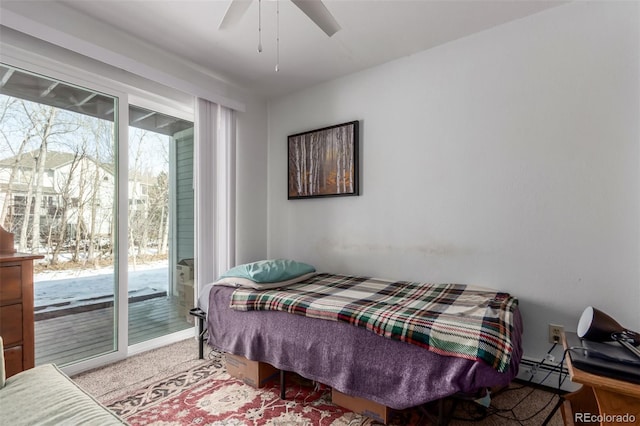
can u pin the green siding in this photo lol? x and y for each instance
(184, 195)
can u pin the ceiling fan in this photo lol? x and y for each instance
(314, 9)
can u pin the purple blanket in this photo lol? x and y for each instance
(352, 360)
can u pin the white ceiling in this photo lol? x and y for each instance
(373, 32)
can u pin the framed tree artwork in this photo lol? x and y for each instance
(324, 162)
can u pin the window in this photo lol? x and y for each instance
(76, 223)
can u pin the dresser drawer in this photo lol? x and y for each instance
(13, 360)
(11, 324)
(10, 283)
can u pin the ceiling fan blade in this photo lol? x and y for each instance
(318, 13)
(234, 12)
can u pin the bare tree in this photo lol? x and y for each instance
(135, 179)
(295, 161)
(103, 167)
(158, 217)
(47, 127)
(12, 103)
(66, 198)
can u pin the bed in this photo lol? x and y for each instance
(351, 359)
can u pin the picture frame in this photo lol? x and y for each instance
(324, 162)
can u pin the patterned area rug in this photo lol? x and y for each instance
(207, 395)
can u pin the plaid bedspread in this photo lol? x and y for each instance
(449, 319)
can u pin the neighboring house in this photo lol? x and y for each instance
(75, 191)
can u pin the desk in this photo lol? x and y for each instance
(600, 396)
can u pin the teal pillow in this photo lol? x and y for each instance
(269, 271)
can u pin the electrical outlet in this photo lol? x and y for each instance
(555, 333)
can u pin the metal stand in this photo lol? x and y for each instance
(443, 417)
(202, 317)
(555, 408)
(283, 385)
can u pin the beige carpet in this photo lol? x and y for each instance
(114, 381)
(120, 378)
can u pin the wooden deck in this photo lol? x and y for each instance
(83, 335)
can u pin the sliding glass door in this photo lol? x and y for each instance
(58, 195)
(160, 174)
(109, 206)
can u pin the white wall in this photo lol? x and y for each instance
(507, 159)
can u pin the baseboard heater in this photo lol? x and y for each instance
(545, 375)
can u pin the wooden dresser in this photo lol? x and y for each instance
(16, 306)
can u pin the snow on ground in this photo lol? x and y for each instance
(57, 289)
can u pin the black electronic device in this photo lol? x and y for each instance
(607, 359)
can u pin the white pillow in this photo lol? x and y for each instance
(240, 282)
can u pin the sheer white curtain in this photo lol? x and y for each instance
(215, 190)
